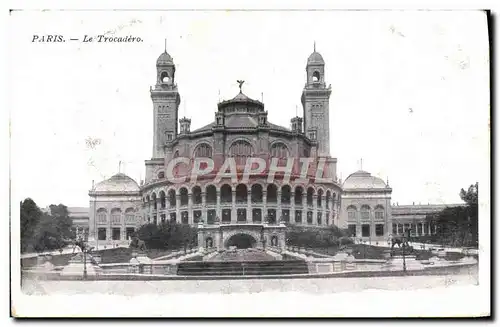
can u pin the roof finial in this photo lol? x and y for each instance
(387, 180)
(119, 166)
(314, 45)
(165, 44)
(296, 111)
(262, 97)
(361, 164)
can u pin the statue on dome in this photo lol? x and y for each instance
(240, 82)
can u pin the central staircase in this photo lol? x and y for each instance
(241, 268)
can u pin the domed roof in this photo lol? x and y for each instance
(363, 180)
(164, 59)
(315, 58)
(117, 183)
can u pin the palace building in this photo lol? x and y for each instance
(234, 210)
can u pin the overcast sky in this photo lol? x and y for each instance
(410, 91)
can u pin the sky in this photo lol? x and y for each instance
(410, 91)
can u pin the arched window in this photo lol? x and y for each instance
(211, 192)
(316, 76)
(184, 196)
(320, 198)
(196, 194)
(102, 215)
(153, 199)
(379, 212)
(299, 192)
(162, 200)
(241, 193)
(129, 216)
(172, 198)
(365, 212)
(310, 193)
(256, 193)
(226, 194)
(116, 216)
(279, 150)
(164, 77)
(240, 150)
(285, 194)
(351, 212)
(203, 151)
(328, 199)
(161, 175)
(272, 193)
(176, 153)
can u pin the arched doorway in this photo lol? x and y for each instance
(241, 241)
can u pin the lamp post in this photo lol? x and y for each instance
(84, 263)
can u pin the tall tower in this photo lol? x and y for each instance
(166, 101)
(315, 102)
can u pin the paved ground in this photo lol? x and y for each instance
(311, 285)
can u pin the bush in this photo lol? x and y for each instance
(168, 235)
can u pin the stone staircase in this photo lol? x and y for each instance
(237, 268)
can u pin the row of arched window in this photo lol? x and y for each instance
(242, 192)
(239, 148)
(115, 216)
(364, 212)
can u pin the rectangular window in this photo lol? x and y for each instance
(352, 230)
(298, 216)
(379, 215)
(173, 217)
(184, 217)
(395, 229)
(256, 215)
(365, 215)
(285, 215)
(309, 217)
(351, 214)
(426, 231)
(319, 218)
(101, 234)
(365, 230)
(210, 217)
(116, 234)
(197, 216)
(400, 229)
(379, 230)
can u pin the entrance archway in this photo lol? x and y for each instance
(241, 241)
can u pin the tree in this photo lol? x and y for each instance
(30, 218)
(44, 231)
(458, 226)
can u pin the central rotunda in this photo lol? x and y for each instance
(234, 210)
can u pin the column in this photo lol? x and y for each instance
(292, 207)
(315, 209)
(264, 205)
(234, 217)
(326, 213)
(304, 207)
(435, 229)
(279, 211)
(218, 209)
(249, 206)
(178, 217)
(204, 207)
(190, 209)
